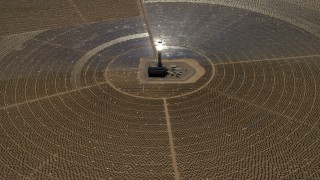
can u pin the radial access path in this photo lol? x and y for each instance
(254, 114)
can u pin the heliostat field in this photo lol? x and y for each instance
(73, 105)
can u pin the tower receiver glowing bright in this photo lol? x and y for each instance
(159, 46)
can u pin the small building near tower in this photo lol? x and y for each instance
(157, 72)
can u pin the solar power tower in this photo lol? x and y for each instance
(239, 99)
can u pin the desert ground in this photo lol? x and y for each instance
(253, 114)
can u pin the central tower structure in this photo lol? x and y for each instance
(159, 70)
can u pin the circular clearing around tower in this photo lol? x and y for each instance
(188, 71)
